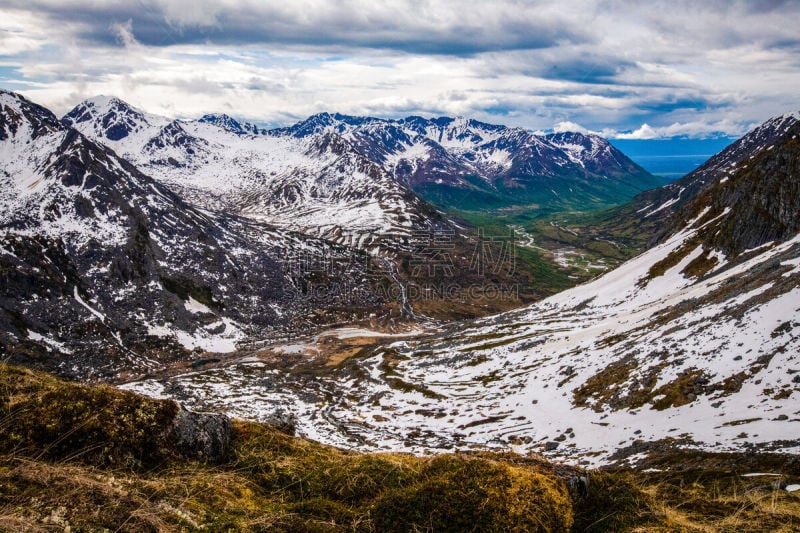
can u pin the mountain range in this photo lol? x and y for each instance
(217, 262)
(692, 344)
(107, 270)
(166, 236)
(343, 177)
(464, 163)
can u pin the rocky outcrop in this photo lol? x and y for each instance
(205, 436)
(762, 196)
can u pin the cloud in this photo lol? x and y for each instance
(566, 126)
(680, 68)
(124, 33)
(696, 129)
(645, 131)
(442, 27)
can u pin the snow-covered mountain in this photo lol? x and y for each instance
(448, 159)
(658, 205)
(106, 270)
(318, 184)
(232, 125)
(696, 342)
(348, 178)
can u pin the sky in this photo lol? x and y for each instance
(627, 70)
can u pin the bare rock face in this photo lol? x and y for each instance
(88, 241)
(204, 436)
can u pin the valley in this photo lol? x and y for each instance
(320, 278)
(412, 266)
(670, 349)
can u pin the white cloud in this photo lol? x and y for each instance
(567, 126)
(625, 69)
(643, 132)
(124, 33)
(20, 33)
(697, 129)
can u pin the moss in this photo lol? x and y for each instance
(391, 359)
(784, 393)
(607, 387)
(456, 493)
(614, 502)
(682, 390)
(65, 421)
(494, 375)
(603, 385)
(405, 386)
(672, 260)
(482, 358)
(272, 481)
(700, 265)
(400, 492)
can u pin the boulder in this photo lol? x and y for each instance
(204, 436)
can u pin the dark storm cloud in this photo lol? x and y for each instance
(568, 63)
(645, 68)
(410, 27)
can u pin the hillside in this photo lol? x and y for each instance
(105, 270)
(650, 215)
(592, 242)
(91, 458)
(693, 344)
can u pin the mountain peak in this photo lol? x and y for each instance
(113, 118)
(16, 112)
(104, 101)
(101, 104)
(222, 120)
(230, 124)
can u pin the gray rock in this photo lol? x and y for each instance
(579, 485)
(204, 436)
(549, 446)
(284, 421)
(778, 484)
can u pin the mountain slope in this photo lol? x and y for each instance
(317, 185)
(693, 343)
(94, 458)
(646, 219)
(105, 270)
(463, 163)
(320, 185)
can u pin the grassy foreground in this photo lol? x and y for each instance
(80, 458)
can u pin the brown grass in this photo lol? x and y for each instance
(272, 481)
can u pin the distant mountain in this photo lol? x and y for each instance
(106, 270)
(465, 163)
(694, 343)
(232, 125)
(651, 212)
(318, 184)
